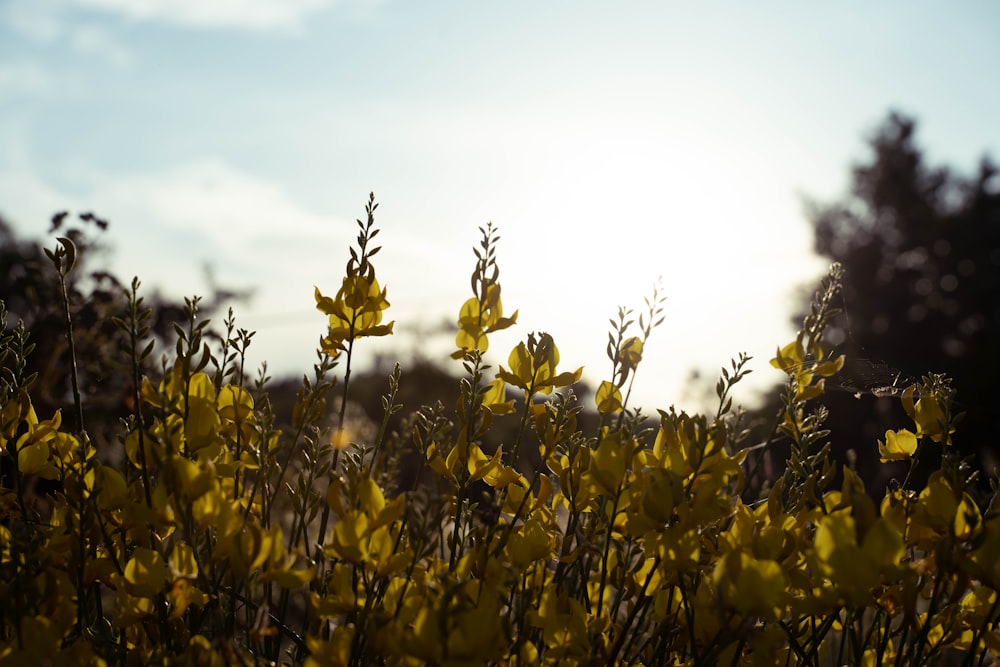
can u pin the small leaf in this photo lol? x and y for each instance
(70, 251)
(608, 398)
(145, 573)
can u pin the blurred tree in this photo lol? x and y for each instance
(29, 288)
(920, 246)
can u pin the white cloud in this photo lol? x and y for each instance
(211, 197)
(75, 22)
(170, 221)
(95, 40)
(27, 200)
(51, 24)
(39, 21)
(253, 14)
(24, 79)
(167, 225)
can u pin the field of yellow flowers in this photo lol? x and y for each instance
(209, 536)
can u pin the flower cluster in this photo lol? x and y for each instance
(482, 313)
(214, 537)
(357, 309)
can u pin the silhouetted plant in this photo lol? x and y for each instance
(221, 538)
(920, 248)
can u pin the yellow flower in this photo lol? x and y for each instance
(145, 573)
(350, 537)
(355, 312)
(803, 366)
(333, 653)
(899, 445)
(751, 586)
(34, 448)
(477, 318)
(609, 462)
(530, 542)
(855, 569)
(630, 353)
(533, 366)
(494, 398)
(928, 413)
(608, 399)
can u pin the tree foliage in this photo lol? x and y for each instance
(32, 294)
(920, 248)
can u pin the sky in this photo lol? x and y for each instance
(611, 144)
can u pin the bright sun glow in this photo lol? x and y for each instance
(615, 199)
(609, 147)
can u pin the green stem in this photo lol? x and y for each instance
(607, 549)
(339, 434)
(931, 610)
(81, 454)
(642, 604)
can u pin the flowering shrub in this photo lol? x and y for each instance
(211, 537)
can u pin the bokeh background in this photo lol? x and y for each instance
(234, 143)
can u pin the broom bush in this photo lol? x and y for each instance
(209, 535)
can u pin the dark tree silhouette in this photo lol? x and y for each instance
(920, 246)
(30, 291)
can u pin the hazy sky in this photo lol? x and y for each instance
(611, 143)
